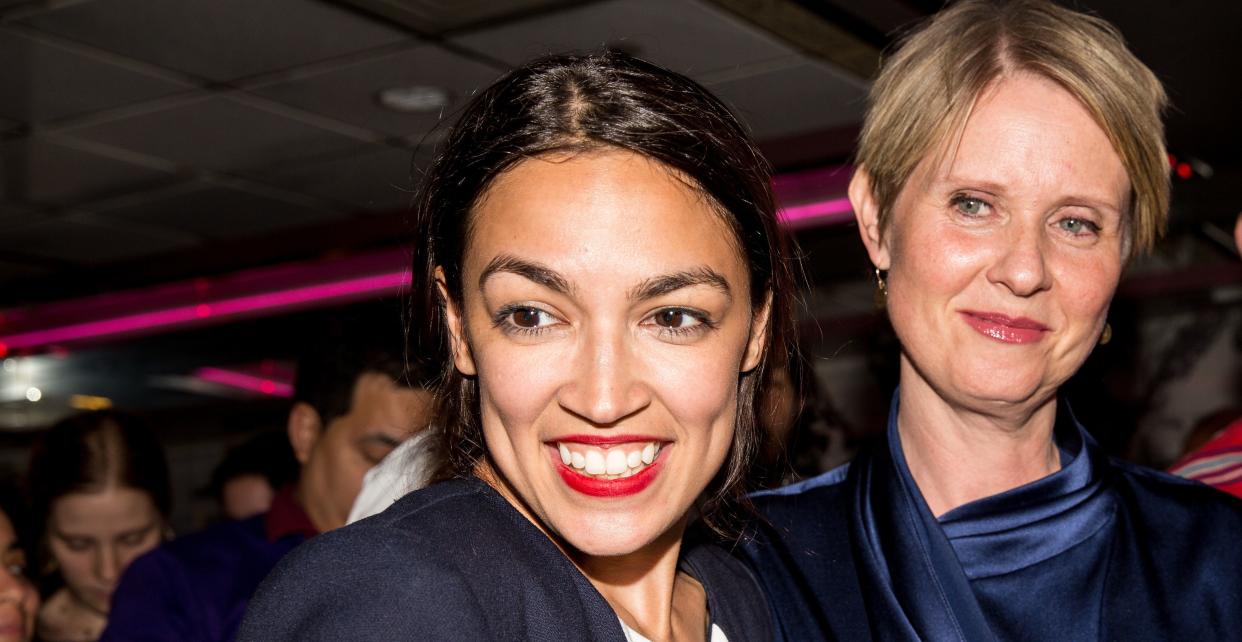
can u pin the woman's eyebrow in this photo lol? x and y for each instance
(666, 283)
(541, 274)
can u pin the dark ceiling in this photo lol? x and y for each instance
(148, 141)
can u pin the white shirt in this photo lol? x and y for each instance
(407, 468)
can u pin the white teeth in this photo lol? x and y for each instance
(616, 462)
(610, 463)
(595, 463)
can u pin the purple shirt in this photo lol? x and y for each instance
(196, 588)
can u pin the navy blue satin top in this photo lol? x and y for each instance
(1098, 550)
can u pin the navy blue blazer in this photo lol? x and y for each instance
(455, 561)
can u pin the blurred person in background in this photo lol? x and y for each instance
(19, 600)
(247, 480)
(349, 411)
(410, 466)
(1213, 449)
(99, 490)
(1011, 163)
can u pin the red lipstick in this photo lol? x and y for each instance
(1004, 328)
(605, 440)
(596, 487)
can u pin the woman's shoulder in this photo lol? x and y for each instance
(451, 561)
(418, 530)
(1176, 508)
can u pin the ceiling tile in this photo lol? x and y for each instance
(349, 93)
(14, 271)
(683, 35)
(216, 133)
(41, 81)
(374, 178)
(85, 239)
(437, 16)
(804, 97)
(39, 170)
(217, 212)
(219, 39)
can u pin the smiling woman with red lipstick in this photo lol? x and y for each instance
(600, 270)
(1011, 162)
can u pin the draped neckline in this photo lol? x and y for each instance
(1034, 522)
(921, 567)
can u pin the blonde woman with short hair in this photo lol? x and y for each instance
(1011, 163)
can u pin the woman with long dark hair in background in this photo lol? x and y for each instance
(99, 491)
(599, 268)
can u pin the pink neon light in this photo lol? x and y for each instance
(243, 381)
(185, 315)
(837, 210)
(217, 310)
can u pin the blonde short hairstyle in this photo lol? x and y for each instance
(929, 85)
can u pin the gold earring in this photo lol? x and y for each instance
(881, 290)
(1107, 334)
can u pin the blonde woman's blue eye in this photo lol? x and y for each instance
(969, 205)
(1078, 226)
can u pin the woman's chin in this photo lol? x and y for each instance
(609, 536)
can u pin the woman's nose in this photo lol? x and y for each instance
(108, 563)
(1021, 264)
(605, 385)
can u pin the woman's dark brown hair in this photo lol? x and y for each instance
(94, 451)
(573, 103)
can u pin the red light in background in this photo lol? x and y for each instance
(202, 310)
(1184, 170)
(1172, 161)
(267, 387)
(4, 349)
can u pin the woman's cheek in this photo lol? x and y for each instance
(520, 381)
(697, 385)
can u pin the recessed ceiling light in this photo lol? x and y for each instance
(414, 98)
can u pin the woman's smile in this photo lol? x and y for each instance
(607, 320)
(1004, 328)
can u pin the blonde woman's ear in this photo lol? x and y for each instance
(867, 213)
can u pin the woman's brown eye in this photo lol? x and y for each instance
(526, 318)
(670, 318)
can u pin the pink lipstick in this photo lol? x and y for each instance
(1004, 328)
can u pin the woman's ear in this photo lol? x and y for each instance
(867, 212)
(462, 359)
(758, 340)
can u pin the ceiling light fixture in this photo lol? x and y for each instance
(415, 99)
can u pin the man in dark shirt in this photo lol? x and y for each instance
(348, 413)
